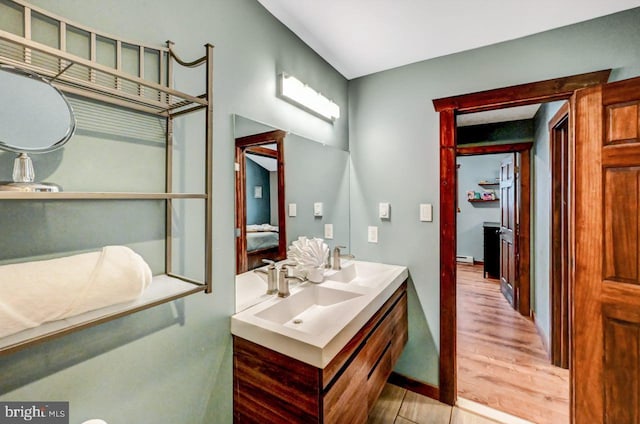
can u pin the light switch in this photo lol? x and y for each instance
(317, 209)
(426, 212)
(384, 210)
(293, 209)
(372, 234)
(328, 231)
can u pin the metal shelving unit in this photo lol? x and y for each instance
(87, 78)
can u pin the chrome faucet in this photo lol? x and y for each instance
(272, 276)
(337, 266)
(283, 280)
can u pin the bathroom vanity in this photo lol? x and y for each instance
(324, 354)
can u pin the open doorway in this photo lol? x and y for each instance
(503, 356)
(448, 108)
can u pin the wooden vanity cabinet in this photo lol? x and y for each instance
(269, 387)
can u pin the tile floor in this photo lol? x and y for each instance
(399, 406)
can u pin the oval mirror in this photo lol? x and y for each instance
(36, 118)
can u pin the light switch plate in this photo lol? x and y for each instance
(328, 231)
(426, 212)
(384, 210)
(317, 209)
(293, 209)
(372, 234)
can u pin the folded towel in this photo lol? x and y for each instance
(32, 293)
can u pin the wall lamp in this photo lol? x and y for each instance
(300, 94)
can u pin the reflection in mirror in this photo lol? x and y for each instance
(38, 118)
(312, 173)
(260, 200)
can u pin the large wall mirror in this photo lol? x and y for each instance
(278, 169)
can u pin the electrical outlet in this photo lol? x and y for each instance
(317, 209)
(372, 234)
(293, 209)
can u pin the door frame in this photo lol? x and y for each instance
(559, 284)
(448, 108)
(243, 144)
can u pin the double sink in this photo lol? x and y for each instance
(317, 320)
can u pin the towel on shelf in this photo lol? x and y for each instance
(32, 293)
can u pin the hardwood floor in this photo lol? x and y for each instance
(501, 360)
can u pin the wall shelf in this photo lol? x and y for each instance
(163, 288)
(140, 79)
(69, 195)
(482, 201)
(488, 184)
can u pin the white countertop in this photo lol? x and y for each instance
(315, 325)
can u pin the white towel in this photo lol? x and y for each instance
(32, 293)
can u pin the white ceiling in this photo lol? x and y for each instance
(270, 164)
(498, 115)
(360, 37)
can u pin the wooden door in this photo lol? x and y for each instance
(508, 229)
(605, 349)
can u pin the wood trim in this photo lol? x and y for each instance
(559, 253)
(524, 233)
(543, 91)
(415, 386)
(493, 149)
(262, 138)
(241, 213)
(448, 207)
(262, 151)
(521, 94)
(282, 216)
(587, 399)
(252, 143)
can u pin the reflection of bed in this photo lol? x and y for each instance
(261, 240)
(262, 243)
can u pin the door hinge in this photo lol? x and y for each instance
(236, 166)
(516, 169)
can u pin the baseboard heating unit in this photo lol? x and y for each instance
(464, 259)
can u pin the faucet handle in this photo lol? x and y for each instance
(271, 264)
(337, 248)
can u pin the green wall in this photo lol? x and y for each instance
(541, 218)
(394, 145)
(258, 209)
(472, 215)
(172, 364)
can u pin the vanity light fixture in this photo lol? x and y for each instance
(300, 94)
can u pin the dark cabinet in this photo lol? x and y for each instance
(270, 387)
(491, 249)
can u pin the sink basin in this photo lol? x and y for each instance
(308, 310)
(368, 274)
(317, 320)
